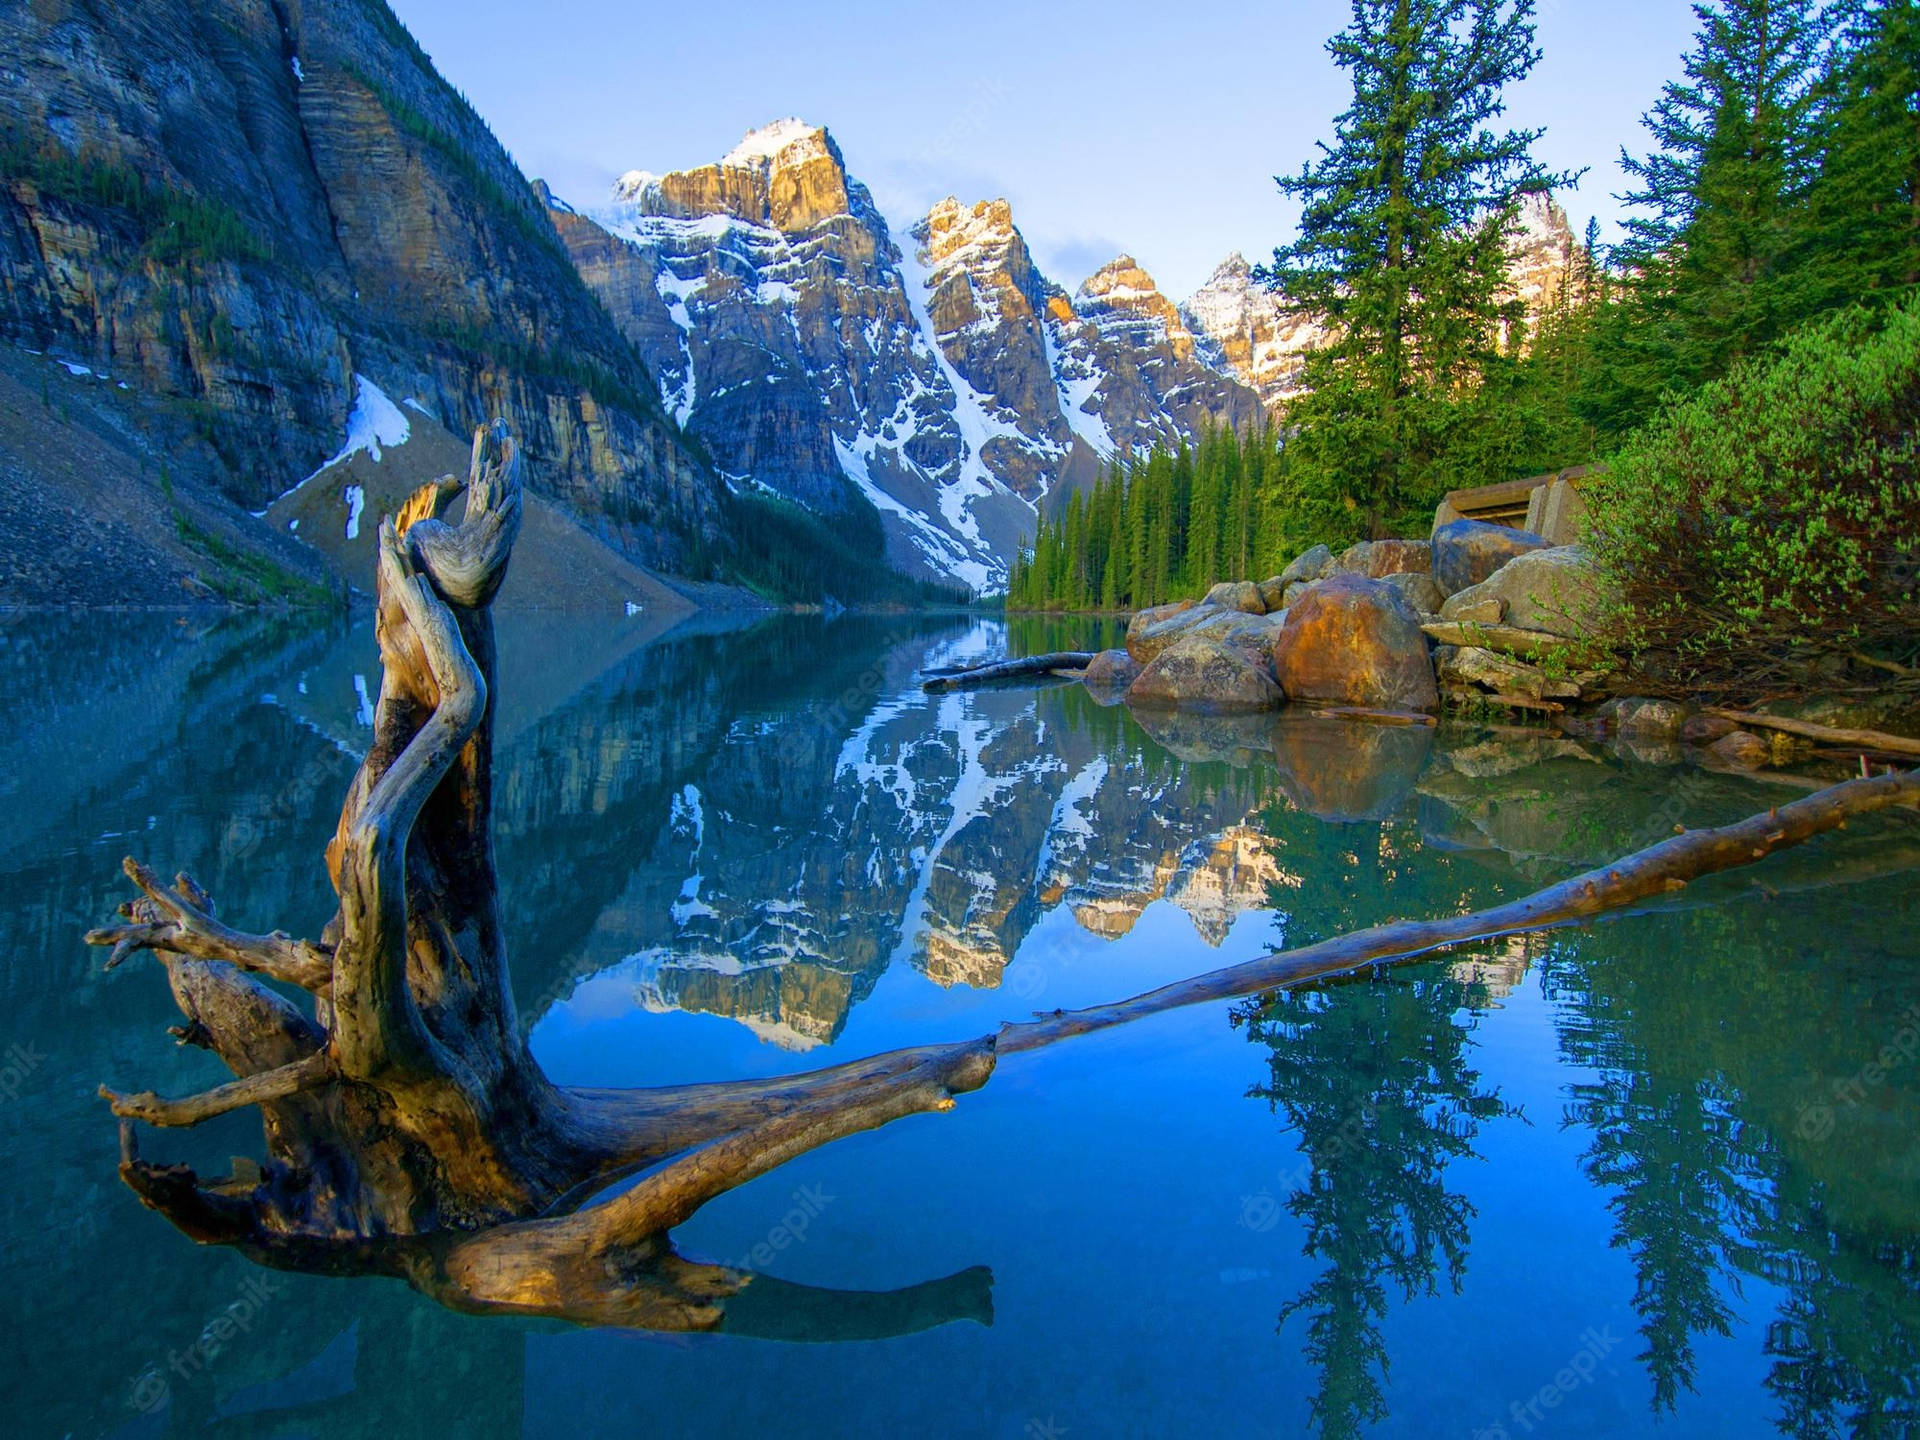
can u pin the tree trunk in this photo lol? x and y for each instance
(408, 1129)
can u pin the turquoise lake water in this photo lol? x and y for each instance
(1659, 1176)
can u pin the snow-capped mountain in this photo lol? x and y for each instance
(947, 380)
(943, 376)
(1243, 329)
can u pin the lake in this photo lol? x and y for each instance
(1659, 1172)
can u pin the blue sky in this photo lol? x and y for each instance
(1153, 129)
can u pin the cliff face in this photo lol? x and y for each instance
(1241, 327)
(236, 205)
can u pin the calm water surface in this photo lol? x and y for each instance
(1662, 1175)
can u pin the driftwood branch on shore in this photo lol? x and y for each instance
(410, 1131)
(1832, 735)
(1054, 663)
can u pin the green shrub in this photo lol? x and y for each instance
(1769, 524)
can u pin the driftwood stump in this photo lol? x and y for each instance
(409, 1131)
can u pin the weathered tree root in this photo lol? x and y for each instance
(409, 1131)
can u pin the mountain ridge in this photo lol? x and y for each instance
(957, 387)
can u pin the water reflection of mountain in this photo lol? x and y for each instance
(793, 855)
(758, 825)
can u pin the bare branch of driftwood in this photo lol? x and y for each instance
(180, 922)
(1832, 735)
(1056, 662)
(290, 1079)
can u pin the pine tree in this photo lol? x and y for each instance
(1402, 249)
(1156, 527)
(1862, 230)
(1712, 249)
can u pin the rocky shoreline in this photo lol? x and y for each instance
(1479, 618)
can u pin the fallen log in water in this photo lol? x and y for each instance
(1833, 735)
(1660, 868)
(1050, 664)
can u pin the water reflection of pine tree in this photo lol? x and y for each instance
(1376, 1080)
(1703, 1069)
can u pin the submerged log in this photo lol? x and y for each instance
(1876, 740)
(409, 1130)
(1055, 663)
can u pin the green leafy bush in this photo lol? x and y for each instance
(1768, 526)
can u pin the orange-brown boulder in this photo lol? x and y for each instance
(1355, 641)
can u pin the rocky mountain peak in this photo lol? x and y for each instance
(1124, 297)
(977, 259)
(1541, 252)
(788, 175)
(1243, 329)
(781, 145)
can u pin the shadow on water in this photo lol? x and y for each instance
(753, 841)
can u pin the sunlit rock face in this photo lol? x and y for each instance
(1127, 357)
(1242, 328)
(941, 376)
(1543, 257)
(1245, 330)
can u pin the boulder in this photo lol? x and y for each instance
(1355, 641)
(1705, 729)
(1294, 591)
(1308, 565)
(1470, 607)
(1468, 551)
(1378, 558)
(1559, 591)
(1241, 595)
(1198, 672)
(1151, 631)
(1472, 665)
(1273, 593)
(1639, 719)
(1109, 673)
(1420, 591)
(1742, 750)
(1254, 634)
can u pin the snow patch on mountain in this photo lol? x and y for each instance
(770, 142)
